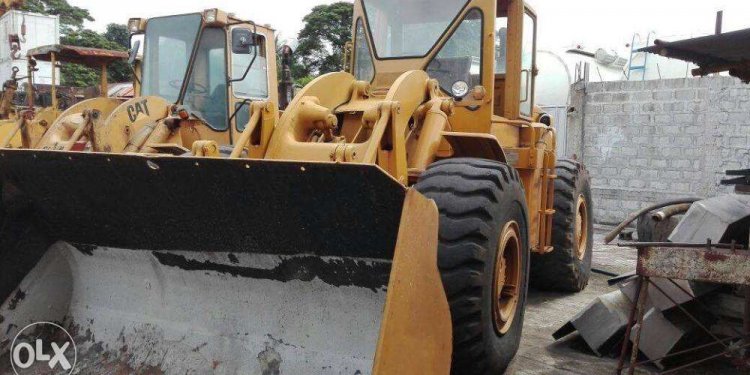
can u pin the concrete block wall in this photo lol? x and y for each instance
(649, 141)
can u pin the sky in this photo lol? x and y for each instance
(283, 15)
(594, 24)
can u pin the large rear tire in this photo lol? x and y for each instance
(483, 257)
(568, 267)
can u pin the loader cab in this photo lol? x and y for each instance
(211, 64)
(482, 52)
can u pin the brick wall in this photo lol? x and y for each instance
(649, 141)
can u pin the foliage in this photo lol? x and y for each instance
(115, 38)
(118, 34)
(71, 17)
(321, 42)
(303, 81)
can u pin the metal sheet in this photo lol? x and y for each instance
(92, 57)
(712, 219)
(214, 205)
(656, 298)
(133, 310)
(659, 336)
(601, 323)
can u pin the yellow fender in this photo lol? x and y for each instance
(6, 128)
(61, 128)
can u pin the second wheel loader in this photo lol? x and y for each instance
(33, 126)
(388, 222)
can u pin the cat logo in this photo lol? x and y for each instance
(136, 109)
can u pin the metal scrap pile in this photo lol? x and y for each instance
(683, 318)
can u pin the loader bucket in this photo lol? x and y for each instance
(191, 265)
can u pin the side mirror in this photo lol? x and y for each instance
(242, 41)
(133, 54)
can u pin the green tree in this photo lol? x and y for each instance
(80, 76)
(321, 42)
(119, 34)
(72, 19)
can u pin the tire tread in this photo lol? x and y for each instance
(465, 190)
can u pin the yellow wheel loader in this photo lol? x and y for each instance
(388, 222)
(199, 78)
(33, 127)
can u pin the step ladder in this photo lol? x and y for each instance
(639, 60)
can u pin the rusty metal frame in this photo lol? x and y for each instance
(708, 264)
(722, 264)
(90, 57)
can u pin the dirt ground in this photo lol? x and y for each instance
(546, 312)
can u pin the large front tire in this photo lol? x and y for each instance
(568, 267)
(483, 258)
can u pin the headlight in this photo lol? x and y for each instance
(134, 25)
(460, 89)
(211, 15)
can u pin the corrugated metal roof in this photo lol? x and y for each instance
(92, 57)
(714, 53)
(121, 90)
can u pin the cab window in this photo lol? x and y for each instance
(255, 84)
(501, 44)
(528, 56)
(242, 115)
(206, 95)
(460, 59)
(363, 66)
(403, 29)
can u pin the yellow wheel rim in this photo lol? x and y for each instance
(582, 227)
(508, 272)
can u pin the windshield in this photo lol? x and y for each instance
(408, 28)
(169, 42)
(460, 59)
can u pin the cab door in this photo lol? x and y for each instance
(252, 72)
